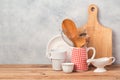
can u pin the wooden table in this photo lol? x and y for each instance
(45, 72)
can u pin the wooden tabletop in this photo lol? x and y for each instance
(45, 72)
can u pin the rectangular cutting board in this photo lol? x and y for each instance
(100, 36)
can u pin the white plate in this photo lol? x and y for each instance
(56, 43)
(68, 41)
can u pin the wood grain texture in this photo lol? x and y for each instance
(100, 36)
(45, 72)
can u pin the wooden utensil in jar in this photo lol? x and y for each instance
(70, 30)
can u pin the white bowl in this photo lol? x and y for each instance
(67, 67)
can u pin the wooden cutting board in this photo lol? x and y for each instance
(100, 36)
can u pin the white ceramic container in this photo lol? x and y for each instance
(100, 63)
(67, 67)
(57, 64)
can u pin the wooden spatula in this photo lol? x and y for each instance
(100, 36)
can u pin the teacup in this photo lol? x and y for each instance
(58, 54)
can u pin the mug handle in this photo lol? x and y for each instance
(94, 52)
(113, 60)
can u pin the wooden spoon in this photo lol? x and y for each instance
(70, 30)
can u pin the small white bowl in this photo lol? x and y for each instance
(67, 67)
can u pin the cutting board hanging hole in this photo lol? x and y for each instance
(92, 9)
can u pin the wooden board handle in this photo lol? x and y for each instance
(92, 14)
